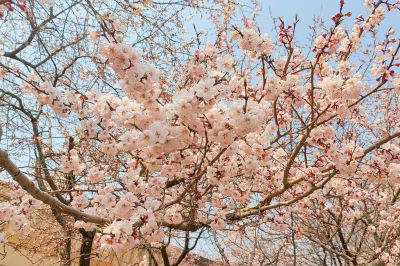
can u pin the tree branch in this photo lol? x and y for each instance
(46, 198)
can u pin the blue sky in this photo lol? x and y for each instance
(306, 10)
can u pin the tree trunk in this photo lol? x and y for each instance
(66, 256)
(86, 247)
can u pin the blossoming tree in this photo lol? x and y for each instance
(254, 133)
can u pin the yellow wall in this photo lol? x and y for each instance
(15, 258)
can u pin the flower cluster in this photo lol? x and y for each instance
(71, 163)
(16, 212)
(250, 40)
(48, 95)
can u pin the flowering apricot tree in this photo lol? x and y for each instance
(255, 132)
